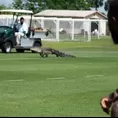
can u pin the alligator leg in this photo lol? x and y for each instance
(44, 55)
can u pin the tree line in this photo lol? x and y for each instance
(39, 5)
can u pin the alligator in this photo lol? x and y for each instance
(44, 52)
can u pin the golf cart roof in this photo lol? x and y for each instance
(17, 11)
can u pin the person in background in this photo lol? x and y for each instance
(22, 30)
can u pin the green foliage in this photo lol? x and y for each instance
(39, 5)
(5, 7)
(2, 7)
(106, 6)
(67, 4)
(17, 4)
(98, 3)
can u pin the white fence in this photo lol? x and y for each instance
(66, 29)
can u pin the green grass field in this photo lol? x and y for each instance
(35, 86)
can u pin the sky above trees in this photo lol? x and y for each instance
(6, 2)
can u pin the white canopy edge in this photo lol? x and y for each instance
(17, 11)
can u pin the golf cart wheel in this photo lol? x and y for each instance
(36, 45)
(20, 50)
(6, 47)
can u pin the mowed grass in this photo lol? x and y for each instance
(35, 86)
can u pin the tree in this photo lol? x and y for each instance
(18, 4)
(97, 3)
(5, 7)
(106, 6)
(39, 5)
(68, 4)
(2, 7)
(33, 5)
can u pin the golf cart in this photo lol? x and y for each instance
(7, 34)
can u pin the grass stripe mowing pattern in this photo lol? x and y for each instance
(35, 86)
